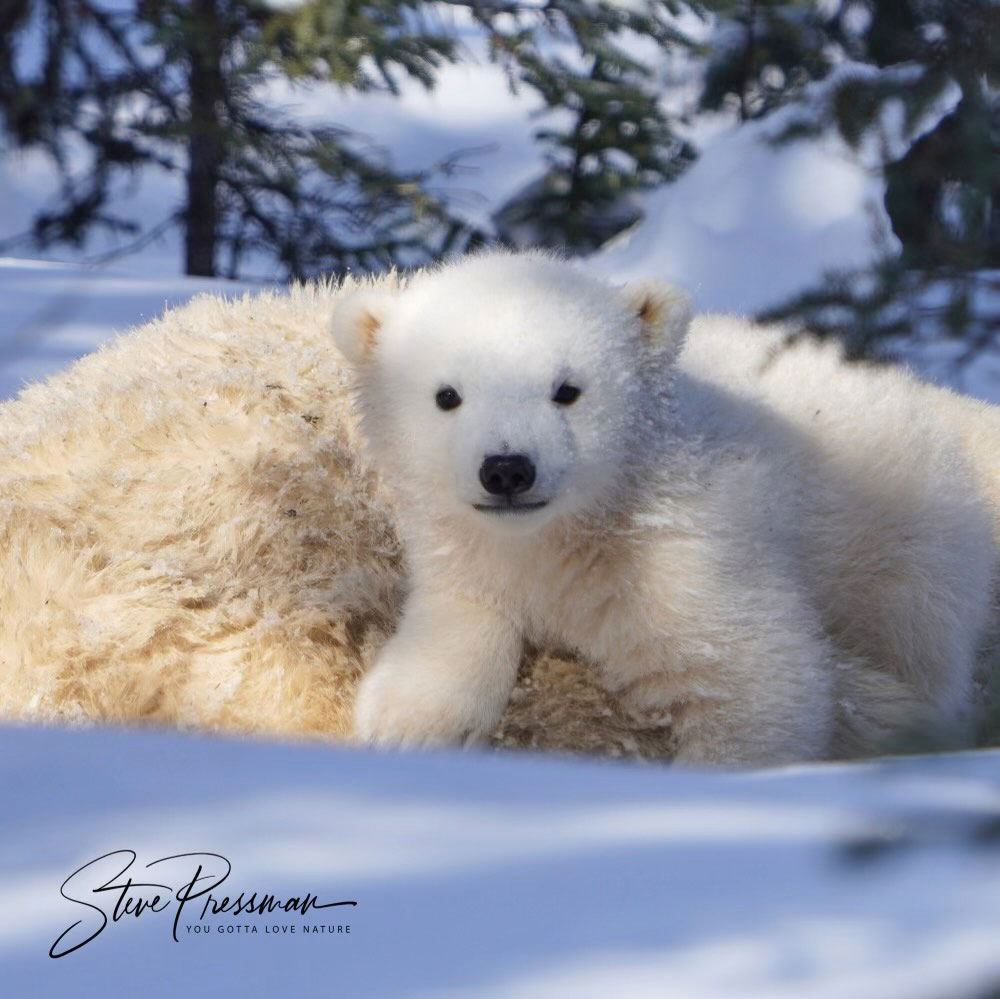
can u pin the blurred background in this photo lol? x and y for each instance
(833, 163)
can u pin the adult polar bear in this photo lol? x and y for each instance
(783, 558)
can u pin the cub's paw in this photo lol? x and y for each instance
(406, 705)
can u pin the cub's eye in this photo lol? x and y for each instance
(566, 394)
(448, 398)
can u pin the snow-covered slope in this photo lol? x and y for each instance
(759, 218)
(496, 875)
(751, 224)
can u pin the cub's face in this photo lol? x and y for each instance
(509, 389)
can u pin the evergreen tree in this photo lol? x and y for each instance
(763, 52)
(942, 182)
(577, 55)
(176, 84)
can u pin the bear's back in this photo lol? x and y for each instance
(895, 500)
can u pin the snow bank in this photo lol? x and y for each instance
(501, 875)
(755, 221)
(752, 223)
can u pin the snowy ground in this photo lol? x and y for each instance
(500, 876)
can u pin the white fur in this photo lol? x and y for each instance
(781, 556)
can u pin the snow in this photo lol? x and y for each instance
(495, 875)
(945, 362)
(751, 224)
(757, 220)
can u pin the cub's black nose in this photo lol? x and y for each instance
(507, 474)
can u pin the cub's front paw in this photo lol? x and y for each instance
(406, 705)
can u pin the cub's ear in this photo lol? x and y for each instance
(357, 319)
(664, 311)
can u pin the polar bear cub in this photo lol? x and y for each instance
(780, 557)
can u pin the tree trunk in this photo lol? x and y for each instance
(749, 58)
(205, 146)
